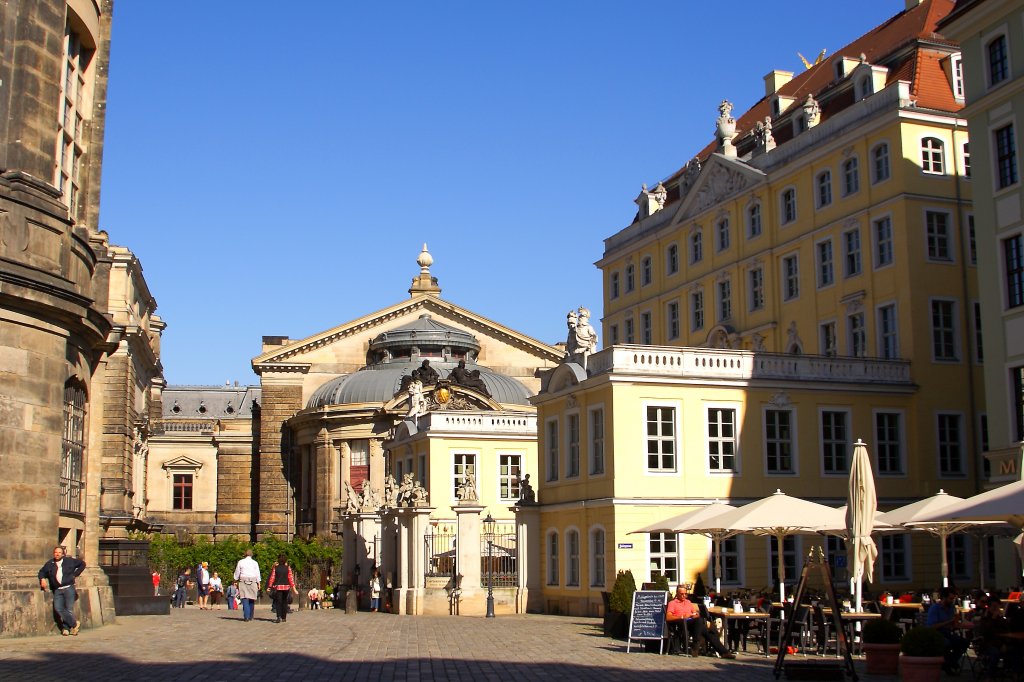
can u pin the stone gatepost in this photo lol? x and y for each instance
(529, 598)
(409, 586)
(472, 598)
(390, 551)
(362, 533)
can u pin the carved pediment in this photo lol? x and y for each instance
(719, 180)
(182, 464)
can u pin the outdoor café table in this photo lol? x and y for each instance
(850, 617)
(728, 614)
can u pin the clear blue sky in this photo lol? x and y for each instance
(277, 167)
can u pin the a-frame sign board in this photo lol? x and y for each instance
(816, 561)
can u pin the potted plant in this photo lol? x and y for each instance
(618, 605)
(881, 646)
(923, 654)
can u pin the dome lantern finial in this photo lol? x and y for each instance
(425, 260)
(424, 283)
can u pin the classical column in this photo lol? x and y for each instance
(528, 543)
(325, 469)
(472, 598)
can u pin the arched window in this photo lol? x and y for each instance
(824, 188)
(672, 259)
(788, 205)
(645, 271)
(754, 220)
(72, 454)
(931, 155)
(630, 277)
(553, 557)
(880, 163)
(851, 176)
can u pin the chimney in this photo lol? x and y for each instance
(775, 80)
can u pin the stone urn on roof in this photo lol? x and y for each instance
(725, 129)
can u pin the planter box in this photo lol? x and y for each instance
(921, 668)
(881, 659)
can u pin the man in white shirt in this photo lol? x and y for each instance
(247, 573)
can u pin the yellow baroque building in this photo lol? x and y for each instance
(806, 281)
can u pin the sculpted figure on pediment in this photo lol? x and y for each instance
(721, 183)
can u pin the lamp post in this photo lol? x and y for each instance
(489, 532)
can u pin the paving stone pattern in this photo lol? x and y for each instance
(190, 644)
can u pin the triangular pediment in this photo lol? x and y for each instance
(182, 462)
(299, 351)
(720, 179)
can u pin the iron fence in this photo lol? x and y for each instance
(498, 560)
(440, 555)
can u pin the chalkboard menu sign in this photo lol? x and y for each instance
(647, 619)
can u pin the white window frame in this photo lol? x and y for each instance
(956, 73)
(853, 260)
(885, 548)
(754, 219)
(673, 323)
(794, 469)
(646, 328)
(723, 239)
(788, 209)
(630, 278)
(790, 276)
(933, 159)
(665, 554)
(848, 452)
(597, 462)
(876, 177)
(823, 341)
(825, 268)
(724, 288)
(790, 557)
(900, 443)
(672, 259)
(857, 334)
(552, 547)
(755, 284)
(959, 444)
(646, 271)
(551, 449)
(954, 332)
(572, 449)
(732, 560)
(877, 242)
(675, 439)
(460, 469)
(994, 129)
(737, 421)
(696, 241)
(985, 45)
(509, 480)
(823, 189)
(630, 329)
(697, 320)
(572, 557)
(883, 336)
(614, 284)
(598, 554)
(851, 176)
(933, 255)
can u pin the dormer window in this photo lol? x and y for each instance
(840, 69)
(956, 69)
(863, 87)
(775, 106)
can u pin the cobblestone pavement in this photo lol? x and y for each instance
(190, 644)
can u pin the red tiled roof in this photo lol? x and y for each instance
(922, 67)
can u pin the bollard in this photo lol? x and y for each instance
(351, 601)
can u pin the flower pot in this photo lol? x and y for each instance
(921, 668)
(881, 659)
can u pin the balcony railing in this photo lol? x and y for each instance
(743, 365)
(201, 426)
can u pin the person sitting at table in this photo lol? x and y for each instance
(944, 617)
(989, 643)
(681, 610)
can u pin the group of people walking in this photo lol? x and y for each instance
(209, 588)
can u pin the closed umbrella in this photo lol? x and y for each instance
(777, 515)
(860, 518)
(694, 521)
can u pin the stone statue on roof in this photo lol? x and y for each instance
(582, 339)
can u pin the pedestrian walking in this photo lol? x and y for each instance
(247, 573)
(59, 575)
(216, 589)
(203, 585)
(232, 596)
(181, 586)
(281, 580)
(156, 583)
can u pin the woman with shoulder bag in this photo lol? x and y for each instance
(281, 580)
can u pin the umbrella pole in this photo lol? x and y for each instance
(945, 564)
(859, 591)
(782, 570)
(717, 547)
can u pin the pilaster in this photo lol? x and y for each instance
(529, 598)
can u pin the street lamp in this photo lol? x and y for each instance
(489, 533)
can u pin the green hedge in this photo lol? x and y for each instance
(170, 558)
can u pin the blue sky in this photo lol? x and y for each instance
(277, 167)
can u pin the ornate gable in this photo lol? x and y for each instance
(720, 179)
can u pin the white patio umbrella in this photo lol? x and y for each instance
(1005, 503)
(932, 515)
(777, 515)
(862, 504)
(694, 522)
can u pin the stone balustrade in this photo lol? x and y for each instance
(470, 422)
(745, 365)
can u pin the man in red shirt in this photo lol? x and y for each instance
(682, 609)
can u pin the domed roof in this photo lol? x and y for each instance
(397, 352)
(379, 383)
